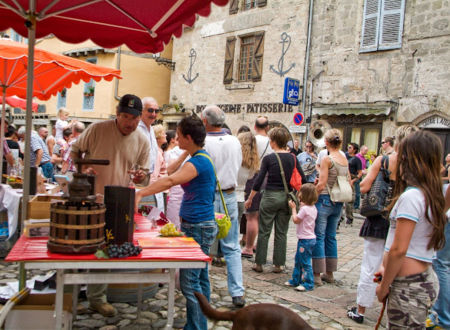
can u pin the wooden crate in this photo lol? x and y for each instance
(39, 206)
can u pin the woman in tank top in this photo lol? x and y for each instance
(328, 212)
(417, 222)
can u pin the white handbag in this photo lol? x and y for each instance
(342, 190)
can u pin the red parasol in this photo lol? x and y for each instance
(52, 72)
(17, 102)
(143, 25)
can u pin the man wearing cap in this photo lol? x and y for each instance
(120, 142)
(226, 153)
(150, 110)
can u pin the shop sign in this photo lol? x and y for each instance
(435, 122)
(251, 108)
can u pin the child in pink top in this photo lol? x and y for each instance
(302, 276)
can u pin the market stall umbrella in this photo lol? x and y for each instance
(52, 72)
(143, 25)
(17, 102)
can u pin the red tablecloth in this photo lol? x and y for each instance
(28, 249)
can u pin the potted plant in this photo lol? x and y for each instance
(91, 90)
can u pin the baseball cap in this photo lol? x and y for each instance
(131, 104)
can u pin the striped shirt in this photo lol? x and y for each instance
(36, 144)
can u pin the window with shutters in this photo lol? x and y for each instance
(249, 65)
(246, 58)
(242, 5)
(382, 25)
(89, 90)
(249, 4)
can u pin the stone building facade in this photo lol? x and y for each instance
(373, 64)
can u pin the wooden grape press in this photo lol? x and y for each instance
(77, 225)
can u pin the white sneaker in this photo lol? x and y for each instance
(300, 288)
(287, 283)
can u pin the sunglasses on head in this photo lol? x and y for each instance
(153, 110)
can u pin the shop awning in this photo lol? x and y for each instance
(367, 109)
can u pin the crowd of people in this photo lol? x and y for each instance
(177, 171)
(50, 154)
(250, 169)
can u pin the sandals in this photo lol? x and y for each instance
(277, 269)
(246, 255)
(257, 268)
(317, 281)
(328, 279)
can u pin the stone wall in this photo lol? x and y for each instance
(208, 38)
(416, 77)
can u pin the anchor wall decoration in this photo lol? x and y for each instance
(285, 39)
(192, 58)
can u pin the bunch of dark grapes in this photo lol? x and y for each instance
(125, 250)
(145, 210)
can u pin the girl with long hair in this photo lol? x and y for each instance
(250, 165)
(375, 229)
(417, 222)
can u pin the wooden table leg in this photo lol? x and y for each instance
(22, 276)
(171, 298)
(139, 300)
(59, 298)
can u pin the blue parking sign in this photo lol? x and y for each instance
(291, 91)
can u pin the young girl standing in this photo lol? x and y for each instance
(417, 222)
(302, 276)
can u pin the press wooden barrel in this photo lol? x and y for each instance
(76, 228)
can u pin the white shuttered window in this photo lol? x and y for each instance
(382, 25)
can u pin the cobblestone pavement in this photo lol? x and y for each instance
(323, 308)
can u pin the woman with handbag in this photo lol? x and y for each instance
(378, 182)
(274, 208)
(198, 180)
(332, 166)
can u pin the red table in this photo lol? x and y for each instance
(34, 254)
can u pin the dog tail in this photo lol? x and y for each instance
(212, 313)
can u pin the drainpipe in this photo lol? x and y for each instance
(116, 83)
(308, 44)
(310, 98)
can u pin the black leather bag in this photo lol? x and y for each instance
(376, 199)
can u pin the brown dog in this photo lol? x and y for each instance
(255, 317)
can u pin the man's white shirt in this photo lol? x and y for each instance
(226, 153)
(150, 134)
